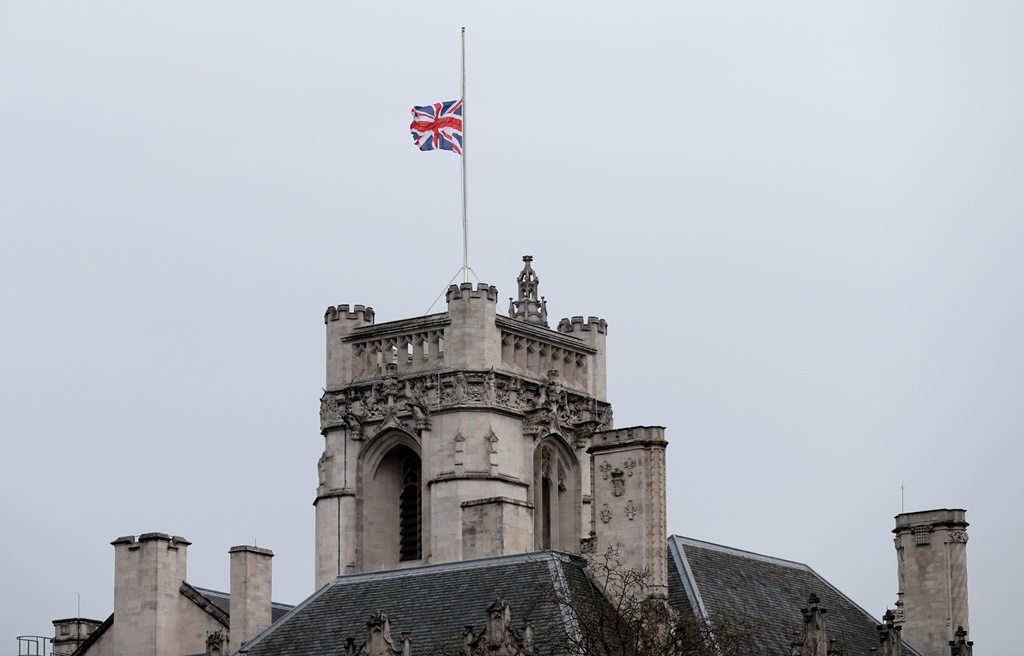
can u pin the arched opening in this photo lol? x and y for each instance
(556, 497)
(410, 510)
(391, 503)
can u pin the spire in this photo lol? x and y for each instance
(529, 308)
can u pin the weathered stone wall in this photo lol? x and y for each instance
(251, 587)
(629, 482)
(473, 393)
(931, 550)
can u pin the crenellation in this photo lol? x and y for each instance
(422, 415)
(466, 291)
(359, 313)
(577, 324)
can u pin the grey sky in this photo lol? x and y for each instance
(802, 221)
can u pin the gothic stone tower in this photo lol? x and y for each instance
(457, 435)
(931, 551)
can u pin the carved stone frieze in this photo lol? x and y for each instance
(547, 407)
(605, 468)
(631, 509)
(958, 536)
(606, 513)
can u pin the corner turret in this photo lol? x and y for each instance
(340, 322)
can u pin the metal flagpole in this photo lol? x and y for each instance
(465, 203)
(465, 220)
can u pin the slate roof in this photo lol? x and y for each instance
(714, 581)
(222, 600)
(433, 603)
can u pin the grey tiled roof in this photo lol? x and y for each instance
(222, 600)
(433, 603)
(715, 581)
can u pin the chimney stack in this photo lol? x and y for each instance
(931, 549)
(250, 593)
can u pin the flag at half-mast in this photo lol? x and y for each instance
(438, 126)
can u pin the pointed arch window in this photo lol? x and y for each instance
(410, 513)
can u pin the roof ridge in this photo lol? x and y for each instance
(743, 553)
(460, 565)
(227, 595)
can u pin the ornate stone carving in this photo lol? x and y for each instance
(813, 638)
(499, 638)
(628, 466)
(618, 484)
(588, 545)
(958, 536)
(605, 468)
(889, 640)
(631, 510)
(961, 646)
(217, 644)
(528, 308)
(548, 408)
(490, 393)
(378, 639)
(898, 542)
(331, 412)
(606, 513)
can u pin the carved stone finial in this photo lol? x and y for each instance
(378, 639)
(216, 644)
(961, 646)
(530, 307)
(813, 638)
(889, 640)
(499, 638)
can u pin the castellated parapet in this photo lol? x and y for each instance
(931, 551)
(593, 332)
(341, 322)
(459, 434)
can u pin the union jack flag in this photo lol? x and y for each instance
(438, 126)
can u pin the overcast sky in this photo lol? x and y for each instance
(803, 222)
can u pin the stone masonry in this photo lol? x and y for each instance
(931, 550)
(457, 435)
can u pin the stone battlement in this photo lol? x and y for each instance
(465, 290)
(653, 435)
(358, 313)
(577, 323)
(131, 540)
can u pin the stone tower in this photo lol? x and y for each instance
(457, 435)
(931, 551)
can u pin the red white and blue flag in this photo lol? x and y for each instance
(438, 126)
